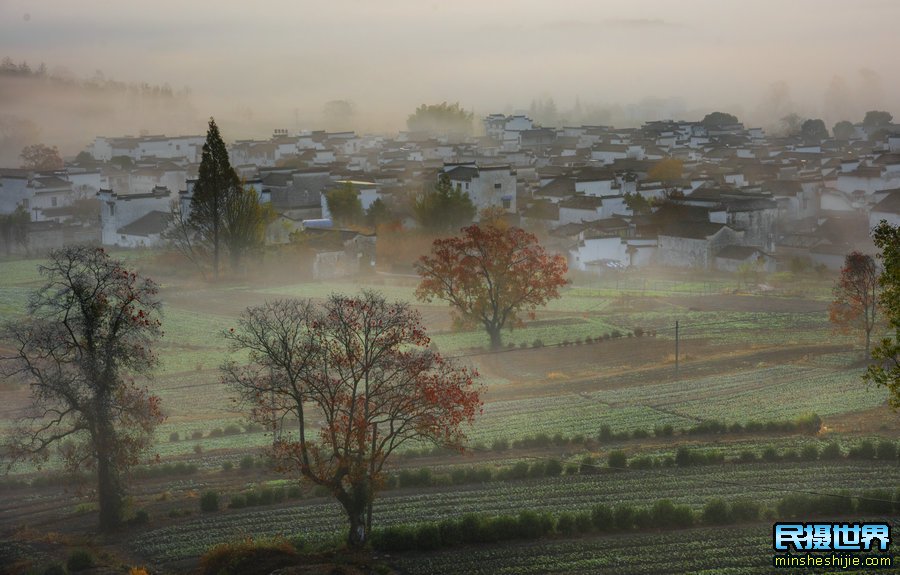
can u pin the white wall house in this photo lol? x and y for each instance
(487, 186)
(118, 212)
(186, 149)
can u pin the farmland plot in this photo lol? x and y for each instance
(319, 519)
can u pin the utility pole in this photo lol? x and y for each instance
(676, 348)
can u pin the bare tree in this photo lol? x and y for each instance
(357, 380)
(89, 328)
(183, 237)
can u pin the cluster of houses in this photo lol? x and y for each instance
(732, 195)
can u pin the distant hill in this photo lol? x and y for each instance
(59, 109)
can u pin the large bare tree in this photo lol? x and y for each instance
(89, 329)
(347, 384)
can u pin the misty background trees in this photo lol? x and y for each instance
(441, 118)
(41, 157)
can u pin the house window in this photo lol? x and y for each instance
(507, 203)
(53, 202)
(496, 186)
(467, 185)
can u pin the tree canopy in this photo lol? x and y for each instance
(886, 371)
(715, 119)
(41, 157)
(224, 216)
(877, 119)
(344, 205)
(813, 130)
(490, 275)
(246, 218)
(441, 118)
(843, 130)
(357, 379)
(855, 302)
(217, 183)
(445, 209)
(89, 329)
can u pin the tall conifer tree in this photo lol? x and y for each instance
(217, 184)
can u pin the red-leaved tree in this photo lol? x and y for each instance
(355, 380)
(89, 329)
(856, 296)
(490, 275)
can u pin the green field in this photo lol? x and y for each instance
(627, 384)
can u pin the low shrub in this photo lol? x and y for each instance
(717, 512)
(565, 524)
(831, 451)
(745, 510)
(865, 450)
(80, 560)
(248, 557)
(810, 452)
(602, 518)
(141, 517)
(209, 501)
(664, 430)
(54, 569)
(886, 450)
(617, 459)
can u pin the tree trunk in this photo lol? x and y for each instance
(868, 344)
(355, 504)
(109, 492)
(496, 340)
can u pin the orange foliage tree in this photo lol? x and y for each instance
(490, 275)
(88, 330)
(357, 378)
(856, 296)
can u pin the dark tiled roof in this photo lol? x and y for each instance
(737, 252)
(582, 203)
(152, 223)
(692, 230)
(890, 203)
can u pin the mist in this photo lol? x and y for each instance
(280, 66)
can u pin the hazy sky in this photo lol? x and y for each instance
(284, 59)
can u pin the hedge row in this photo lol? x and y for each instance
(663, 514)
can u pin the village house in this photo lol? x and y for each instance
(487, 186)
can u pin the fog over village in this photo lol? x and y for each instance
(420, 288)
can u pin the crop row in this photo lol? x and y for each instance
(770, 393)
(765, 483)
(745, 550)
